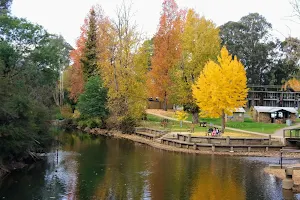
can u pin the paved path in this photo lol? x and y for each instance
(228, 128)
(279, 133)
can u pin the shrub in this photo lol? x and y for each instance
(127, 125)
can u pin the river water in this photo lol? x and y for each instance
(89, 167)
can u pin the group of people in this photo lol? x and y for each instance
(214, 131)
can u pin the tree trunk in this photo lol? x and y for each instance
(223, 121)
(165, 106)
(195, 115)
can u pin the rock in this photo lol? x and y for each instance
(86, 129)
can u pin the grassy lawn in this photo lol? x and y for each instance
(248, 125)
(174, 126)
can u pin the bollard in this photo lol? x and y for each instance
(288, 182)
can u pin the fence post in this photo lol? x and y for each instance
(189, 139)
(270, 139)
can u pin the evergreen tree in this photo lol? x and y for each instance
(92, 103)
(89, 60)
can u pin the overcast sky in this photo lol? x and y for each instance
(66, 16)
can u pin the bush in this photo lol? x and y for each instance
(66, 111)
(91, 123)
(127, 125)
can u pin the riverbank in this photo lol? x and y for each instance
(280, 173)
(155, 144)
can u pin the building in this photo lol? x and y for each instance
(237, 116)
(156, 104)
(277, 115)
(272, 95)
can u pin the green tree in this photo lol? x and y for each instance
(89, 60)
(5, 6)
(249, 40)
(92, 102)
(29, 68)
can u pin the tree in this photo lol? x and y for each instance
(89, 58)
(5, 6)
(288, 60)
(30, 60)
(92, 102)
(249, 40)
(221, 87)
(296, 8)
(76, 71)
(200, 42)
(123, 63)
(181, 116)
(293, 83)
(167, 52)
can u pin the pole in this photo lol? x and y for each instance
(281, 159)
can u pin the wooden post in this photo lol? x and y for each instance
(270, 139)
(195, 146)
(231, 149)
(189, 138)
(213, 148)
(249, 149)
(228, 140)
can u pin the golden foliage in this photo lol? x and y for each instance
(181, 115)
(292, 83)
(200, 42)
(221, 87)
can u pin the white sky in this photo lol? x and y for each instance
(66, 16)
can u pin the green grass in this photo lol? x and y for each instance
(172, 125)
(247, 125)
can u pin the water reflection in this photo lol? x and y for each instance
(104, 168)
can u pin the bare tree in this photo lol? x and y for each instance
(296, 8)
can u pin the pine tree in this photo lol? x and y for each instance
(89, 60)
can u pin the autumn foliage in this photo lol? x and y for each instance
(221, 87)
(76, 73)
(167, 51)
(293, 83)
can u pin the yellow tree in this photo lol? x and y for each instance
(221, 87)
(123, 63)
(292, 83)
(181, 116)
(200, 42)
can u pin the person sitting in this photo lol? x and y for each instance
(210, 130)
(217, 132)
(214, 132)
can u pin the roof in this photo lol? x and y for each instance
(239, 110)
(267, 109)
